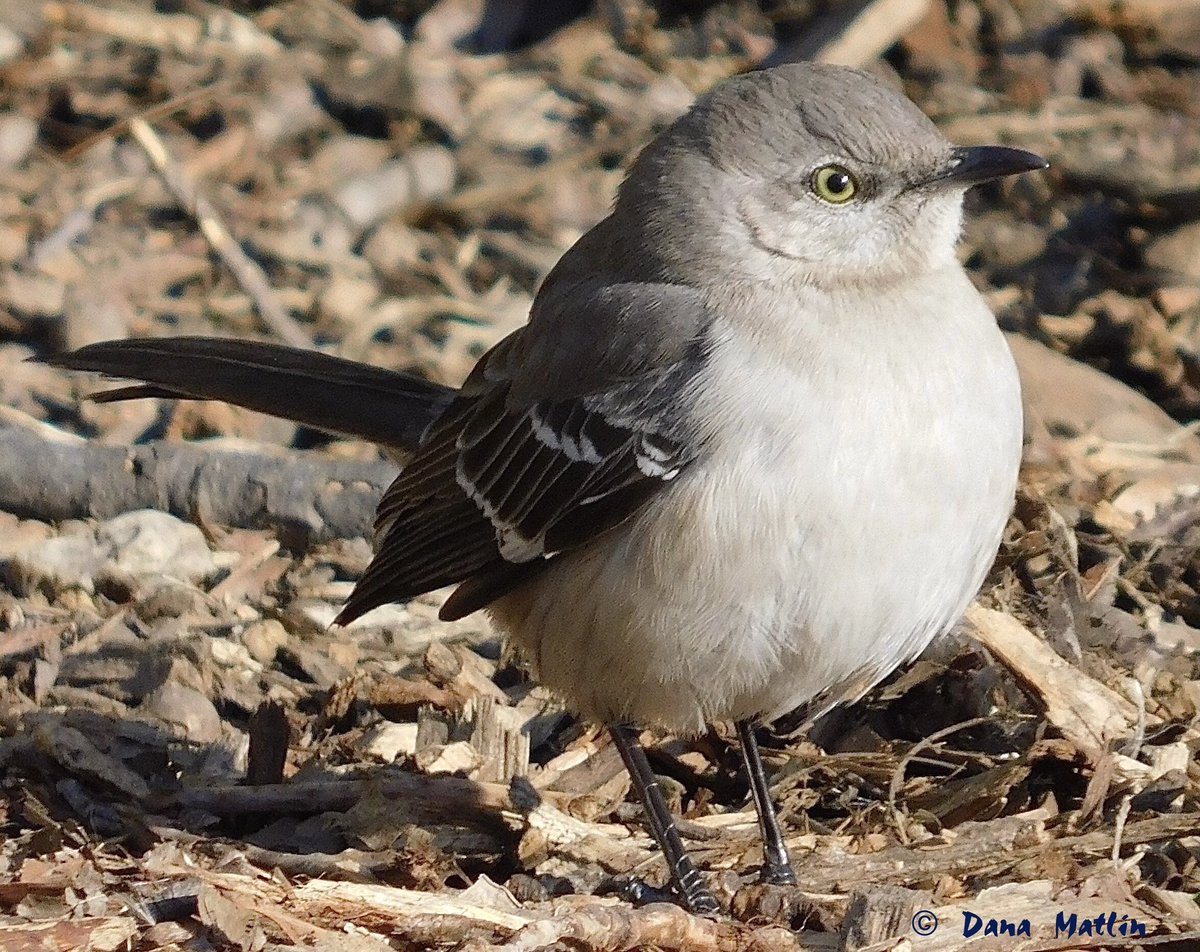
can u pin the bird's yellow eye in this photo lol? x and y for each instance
(834, 184)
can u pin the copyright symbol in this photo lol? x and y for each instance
(924, 922)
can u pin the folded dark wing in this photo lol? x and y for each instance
(498, 489)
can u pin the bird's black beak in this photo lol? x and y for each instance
(971, 165)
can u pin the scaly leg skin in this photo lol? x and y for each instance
(777, 868)
(686, 878)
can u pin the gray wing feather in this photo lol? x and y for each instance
(549, 444)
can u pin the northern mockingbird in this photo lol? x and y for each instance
(754, 449)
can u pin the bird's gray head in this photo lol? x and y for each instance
(807, 171)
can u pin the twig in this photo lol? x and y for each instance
(450, 797)
(898, 773)
(851, 34)
(222, 33)
(611, 928)
(1119, 825)
(1134, 745)
(403, 904)
(1084, 710)
(149, 114)
(982, 849)
(305, 497)
(79, 221)
(245, 271)
(876, 27)
(1058, 117)
(349, 865)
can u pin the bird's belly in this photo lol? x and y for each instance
(788, 563)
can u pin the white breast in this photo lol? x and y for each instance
(858, 479)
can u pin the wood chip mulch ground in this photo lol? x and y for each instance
(190, 758)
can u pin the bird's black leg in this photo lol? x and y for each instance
(687, 879)
(777, 868)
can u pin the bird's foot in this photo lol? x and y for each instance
(773, 874)
(698, 900)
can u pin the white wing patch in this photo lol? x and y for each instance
(654, 460)
(577, 449)
(513, 546)
(532, 472)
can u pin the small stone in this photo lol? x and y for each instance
(151, 542)
(19, 534)
(186, 710)
(232, 654)
(389, 741)
(312, 616)
(447, 22)
(169, 599)
(264, 639)
(1174, 300)
(317, 667)
(346, 654)
(453, 758)
(78, 603)
(18, 134)
(385, 616)
(34, 293)
(1178, 635)
(393, 246)
(285, 112)
(347, 296)
(343, 157)
(11, 45)
(57, 565)
(12, 615)
(424, 172)
(1177, 252)
(14, 241)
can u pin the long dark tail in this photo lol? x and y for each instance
(327, 393)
